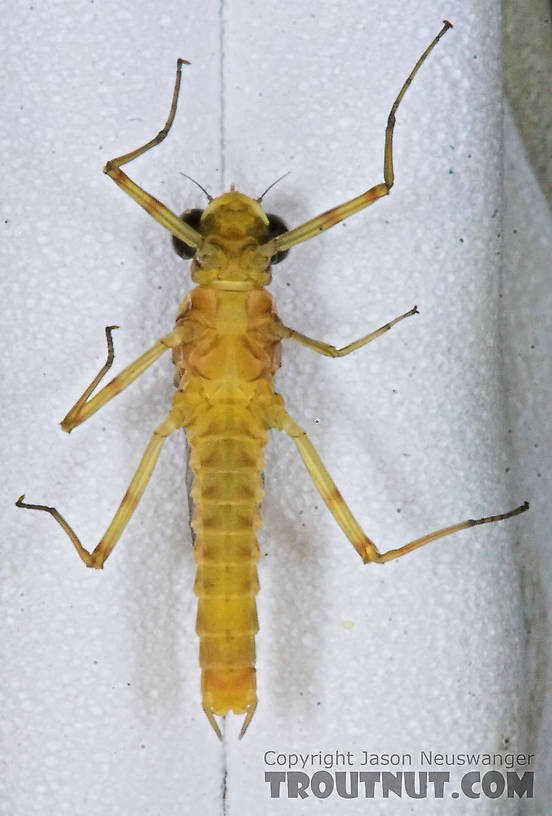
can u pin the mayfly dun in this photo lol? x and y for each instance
(226, 350)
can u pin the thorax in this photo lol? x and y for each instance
(234, 335)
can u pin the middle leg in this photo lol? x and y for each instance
(332, 351)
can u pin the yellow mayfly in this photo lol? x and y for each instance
(226, 349)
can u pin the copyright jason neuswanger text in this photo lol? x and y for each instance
(420, 775)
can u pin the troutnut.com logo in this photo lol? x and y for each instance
(491, 776)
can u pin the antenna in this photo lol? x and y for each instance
(209, 197)
(270, 186)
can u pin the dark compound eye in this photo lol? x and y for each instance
(276, 227)
(192, 218)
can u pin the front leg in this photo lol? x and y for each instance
(332, 351)
(151, 205)
(331, 217)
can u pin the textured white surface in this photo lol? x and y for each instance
(102, 701)
(526, 331)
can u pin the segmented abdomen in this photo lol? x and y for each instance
(227, 460)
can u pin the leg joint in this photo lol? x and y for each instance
(169, 424)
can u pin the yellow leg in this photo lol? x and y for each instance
(337, 506)
(126, 508)
(151, 205)
(83, 408)
(332, 351)
(322, 222)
